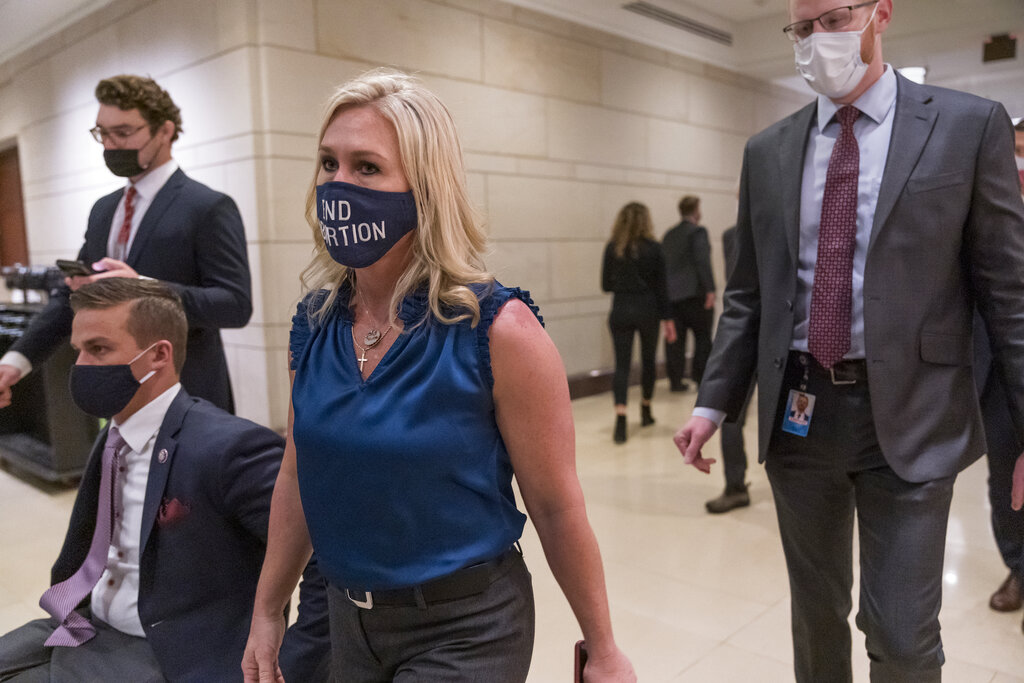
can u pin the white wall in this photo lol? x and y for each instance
(561, 126)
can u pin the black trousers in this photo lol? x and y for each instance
(734, 453)
(820, 482)
(689, 314)
(1003, 449)
(625, 322)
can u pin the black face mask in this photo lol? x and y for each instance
(105, 390)
(124, 163)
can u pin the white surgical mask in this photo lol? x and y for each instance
(830, 62)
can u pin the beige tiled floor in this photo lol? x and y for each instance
(694, 597)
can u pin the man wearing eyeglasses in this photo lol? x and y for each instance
(870, 224)
(161, 225)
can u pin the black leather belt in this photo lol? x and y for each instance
(850, 371)
(461, 583)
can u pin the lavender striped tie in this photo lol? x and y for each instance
(61, 599)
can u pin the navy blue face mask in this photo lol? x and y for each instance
(105, 390)
(360, 225)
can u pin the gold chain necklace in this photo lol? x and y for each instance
(373, 335)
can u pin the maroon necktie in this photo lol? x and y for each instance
(121, 249)
(61, 598)
(831, 297)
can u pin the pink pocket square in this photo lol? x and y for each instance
(172, 511)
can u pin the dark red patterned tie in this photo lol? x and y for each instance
(126, 224)
(831, 296)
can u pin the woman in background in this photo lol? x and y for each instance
(634, 271)
(420, 385)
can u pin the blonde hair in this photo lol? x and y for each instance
(631, 225)
(448, 243)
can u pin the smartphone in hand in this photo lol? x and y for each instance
(580, 661)
(74, 268)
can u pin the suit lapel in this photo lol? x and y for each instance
(912, 125)
(161, 202)
(793, 147)
(160, 462)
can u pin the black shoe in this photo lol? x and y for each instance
(679, 386)
(620, 429)
(646, 418)
(729, 500)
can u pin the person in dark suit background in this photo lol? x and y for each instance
(691, 292)
(634, 271)
(1003, 447)
(163, 225)
(734, 452)
(870, 225)
(164, 585)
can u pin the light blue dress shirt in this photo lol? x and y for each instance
(873, 130)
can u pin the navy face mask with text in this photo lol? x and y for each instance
(360, 225)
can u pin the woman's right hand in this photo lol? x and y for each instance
(615, 668)
(259, 663)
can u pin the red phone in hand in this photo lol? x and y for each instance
(580, 659)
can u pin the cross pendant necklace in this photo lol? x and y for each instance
(362, 360)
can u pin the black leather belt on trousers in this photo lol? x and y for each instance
(852, 371)
(461, 583)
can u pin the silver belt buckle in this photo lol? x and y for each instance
(365, 604)
(832, 372)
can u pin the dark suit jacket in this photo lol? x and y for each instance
(204, 531)
(948, 232)
(729, 250)
(687, 262)
(192, 239)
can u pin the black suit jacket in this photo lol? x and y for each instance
(192, 239)
(204, 531)
(948, 234)
(687, 261)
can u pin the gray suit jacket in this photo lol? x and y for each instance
(948, 232)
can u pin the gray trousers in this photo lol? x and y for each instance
(485, 637)
(110, 656)
(820, 482)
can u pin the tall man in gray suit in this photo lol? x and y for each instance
(870, 224)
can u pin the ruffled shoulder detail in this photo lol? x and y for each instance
(492, 297)
(304, 321)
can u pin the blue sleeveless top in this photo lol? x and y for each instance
(403, 477)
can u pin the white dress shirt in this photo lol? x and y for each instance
(873, 131)
(146, 190)
(115, 598)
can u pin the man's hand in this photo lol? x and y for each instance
(691, 438)
(9, 376)
(107, 267)
(669, 326)
(709, 301)
(1017, 494)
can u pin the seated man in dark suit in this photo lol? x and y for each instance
(162, 225)
(159, 567)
